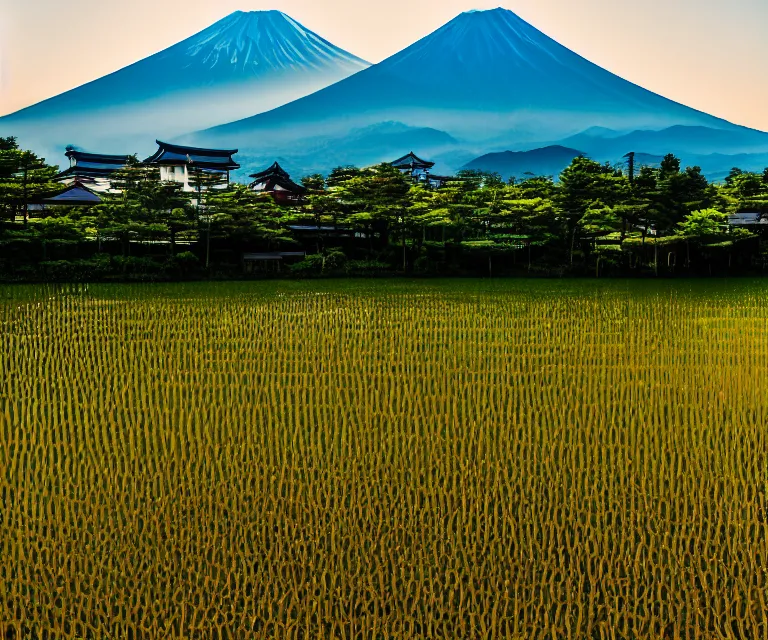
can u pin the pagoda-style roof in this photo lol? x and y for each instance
(92, 165)
(274, 170)
(275, 178)
(175, 155)
(412, 161)
(75, 195)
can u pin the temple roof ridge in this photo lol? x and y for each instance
(274, 169)
(101, 158)
(411, 159)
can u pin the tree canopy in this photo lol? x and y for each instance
(590, 219)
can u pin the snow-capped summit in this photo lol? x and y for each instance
(258, 42)
(243, 64)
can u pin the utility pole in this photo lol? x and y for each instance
(631, 156)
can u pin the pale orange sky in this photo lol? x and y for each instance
(706, 54)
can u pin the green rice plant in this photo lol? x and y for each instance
(463, 459)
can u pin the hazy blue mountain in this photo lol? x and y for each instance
(716, 166)
(551, 160)
(487, 78)
(365, 146)
(676, 139)
(645, 160)
(243, 64)
(603, 132)
(548, 161)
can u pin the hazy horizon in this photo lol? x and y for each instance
(675, 57)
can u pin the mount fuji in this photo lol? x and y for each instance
(488, 79)
(247, 62)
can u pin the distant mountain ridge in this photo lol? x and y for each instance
(365, 146)
(675, 139)
(547, 161)
(551, 160)
(244, 63)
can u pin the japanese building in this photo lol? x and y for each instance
(437, 182)
(277, 182)
(413, 166)
(92, 170)
(748, 219)
(194, 168)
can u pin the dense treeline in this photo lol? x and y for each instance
(594, 219)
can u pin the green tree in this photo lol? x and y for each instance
(581, 184)
(24, 179)
(531, 222)
(205, 184)
(247, 220)
(314, 182)
(680, 192)
(709, 229)
(166, 210)
(139, 207)
(8, 144)
(745, 191)
(340, 175)
(601, 221)
(376, 200)
(319, 208)
(537, 187)
(56, 229)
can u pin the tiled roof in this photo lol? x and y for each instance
(412, 160)
(173, 154)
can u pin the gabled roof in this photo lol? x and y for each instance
(412, 161)
(174, 154)
(75, 195)
(274, 170)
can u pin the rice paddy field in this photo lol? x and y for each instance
(385, 459)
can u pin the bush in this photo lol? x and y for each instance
(94, 268)
(136, 266)
(186, 258)
(310, 265)
(185, 262)
(423, 264)
(317, 263)
(334, 261)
